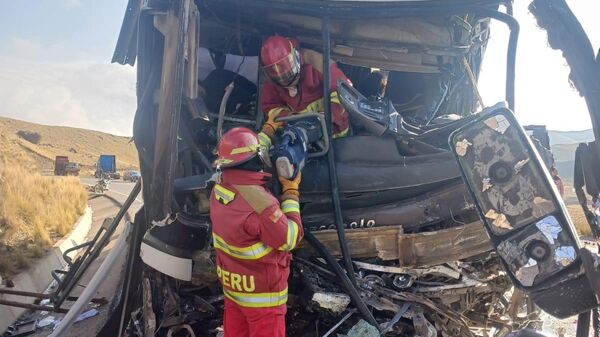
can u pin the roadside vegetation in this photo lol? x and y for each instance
(35, 210)
(575, 211)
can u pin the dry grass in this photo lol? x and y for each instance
(575, 211)
(35, 211)
(579, 220)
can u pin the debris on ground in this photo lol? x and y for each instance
(363, 329)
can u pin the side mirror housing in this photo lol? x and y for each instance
(523, 213)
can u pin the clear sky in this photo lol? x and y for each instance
(55, 66)
(543, 92)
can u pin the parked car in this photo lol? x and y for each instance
(72, 169)
(131, 175)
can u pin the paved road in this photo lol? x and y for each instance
(103, 207)
(118, 189)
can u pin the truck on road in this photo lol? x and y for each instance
(62, 167)
(60, 162)
(107, 166)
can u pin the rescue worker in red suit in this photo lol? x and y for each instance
(253, 234)
(296, 86)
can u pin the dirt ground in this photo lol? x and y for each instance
(553, 326)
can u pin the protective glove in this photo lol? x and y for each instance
(289, 188)
(271, 126)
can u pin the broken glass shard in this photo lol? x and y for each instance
(499, 123)
(462, 146)
(487, 184)
(498, 219)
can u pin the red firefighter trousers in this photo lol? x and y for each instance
(253, 322)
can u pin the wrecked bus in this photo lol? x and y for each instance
(400, 234)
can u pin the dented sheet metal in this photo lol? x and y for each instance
(404, 30)
(416, 250)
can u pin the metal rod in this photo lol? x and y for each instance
(95, 250)
(333, 178)
(36, 307)
(94, 284)
(346, 283)
(333, 328)
(472, 80)
(511, 52)
(222, 108)
(315, 266)
(45, 296)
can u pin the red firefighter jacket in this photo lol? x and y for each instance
(276, 100)
(253, 235)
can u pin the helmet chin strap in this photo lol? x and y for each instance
(292, 83)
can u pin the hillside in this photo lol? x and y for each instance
(564, 144)
(82, 146)
(570, 137)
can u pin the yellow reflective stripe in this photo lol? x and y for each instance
(335, 98)
(289, 206)
(254, 252)
(257, 300)
(275, 112)
(223, 194)
(292, 236)
(316, 106)
(343, 133)
(264, 140)
(245, 149)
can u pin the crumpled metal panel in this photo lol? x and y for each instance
(405, 30)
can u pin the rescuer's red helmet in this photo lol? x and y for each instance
(238, 146)
(281, 60)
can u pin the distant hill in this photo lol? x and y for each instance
(40, 144)
(570, 137)
(564, 144)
